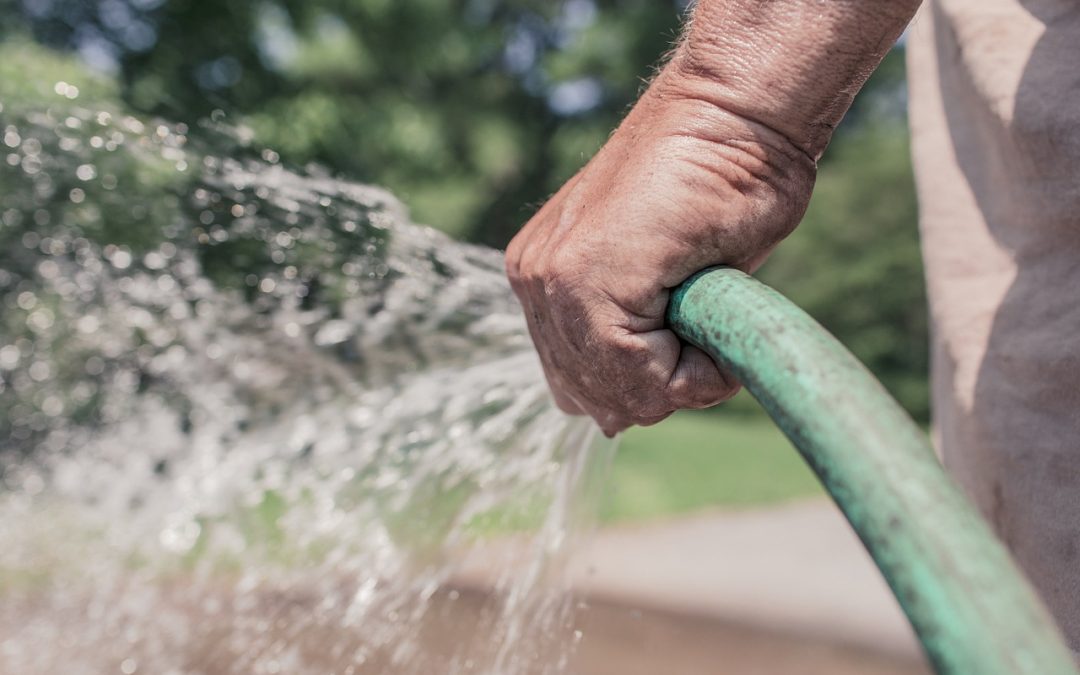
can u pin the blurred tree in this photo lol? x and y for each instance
(471, 110)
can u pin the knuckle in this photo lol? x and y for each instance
(563, 268)
(637, 356)
(512, 263)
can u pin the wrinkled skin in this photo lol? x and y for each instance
(713, 166)
(681, 185)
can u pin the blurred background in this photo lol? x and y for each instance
(472, 112)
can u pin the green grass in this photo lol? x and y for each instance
(698, 460)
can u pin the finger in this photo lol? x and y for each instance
(648, 422)
(559, 392)
(563, 400)
(611, 422)
(612, 425)
(698, 382)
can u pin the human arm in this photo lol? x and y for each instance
(713, 165)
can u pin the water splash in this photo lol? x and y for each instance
(253, 419)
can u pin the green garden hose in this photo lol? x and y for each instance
(972, 609)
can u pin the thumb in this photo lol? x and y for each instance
(698, 382)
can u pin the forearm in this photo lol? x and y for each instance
(793, 66)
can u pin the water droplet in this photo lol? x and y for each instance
(31, 165)
(121, 259)
(9, 357)
(40, 320)
(68, 91)
(95, 365)
(52, 406)
(39, 371)
(154, 260)
(88, 324)
(180, 535)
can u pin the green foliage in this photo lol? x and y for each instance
(464, 108)
(29, 76)
(694, 460)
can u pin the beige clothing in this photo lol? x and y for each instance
(995, 116)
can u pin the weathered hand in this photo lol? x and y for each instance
(714, 165)
(681, 185)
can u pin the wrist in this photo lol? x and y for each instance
(792, 66)
(688, 106)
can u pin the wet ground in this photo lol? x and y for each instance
(291, 638)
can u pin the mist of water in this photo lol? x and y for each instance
(252, 420)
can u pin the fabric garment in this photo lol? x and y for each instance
(995, 117)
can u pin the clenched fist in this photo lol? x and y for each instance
(683, 184)
(713, 166)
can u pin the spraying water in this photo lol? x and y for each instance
(252, 419)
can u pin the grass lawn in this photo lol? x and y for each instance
(696, 460)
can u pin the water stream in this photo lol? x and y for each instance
(252, 420)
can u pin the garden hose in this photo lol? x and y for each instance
(969, 604)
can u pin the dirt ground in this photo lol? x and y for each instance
(618, 641)
(291, 638)
(779, 591)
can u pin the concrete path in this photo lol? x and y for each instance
(797, 568)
